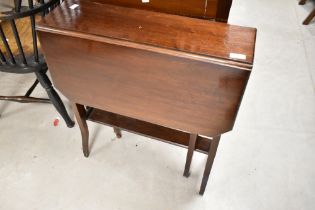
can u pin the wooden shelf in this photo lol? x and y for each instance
(161, 133)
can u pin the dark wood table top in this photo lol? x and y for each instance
(204, 39)
(163, 69)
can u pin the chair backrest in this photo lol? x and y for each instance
(10, 58)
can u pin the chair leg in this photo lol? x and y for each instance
(117, 131)
(309, 18)
(31, 89)
(24, 99)
(54, 97)
(80, 115)
(190, 152)
(211, 155)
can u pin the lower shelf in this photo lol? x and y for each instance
(158, 132)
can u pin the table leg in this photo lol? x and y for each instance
(211, 155)
(80, 115)
(191, 148)
(117, 131)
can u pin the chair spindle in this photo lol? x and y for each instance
(6, 45)
(3, 60)
(42, 2)
(18, 41)
(32, 17)
(18, 5)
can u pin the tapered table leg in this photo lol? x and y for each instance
(190, 152)
(117, 131)
(211, 155)
(80, 115)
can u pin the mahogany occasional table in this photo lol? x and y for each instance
(173, 78)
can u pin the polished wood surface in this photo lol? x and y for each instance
(193, 8)
(151, 86)
(205, 9)
(164, 76)
(203, 38)
(222, 11)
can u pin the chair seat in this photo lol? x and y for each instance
(25, 69)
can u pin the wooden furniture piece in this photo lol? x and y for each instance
(217, 10)
(173, 78)
(310, 17)
(19, 52)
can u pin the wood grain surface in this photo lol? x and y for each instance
(200, 37)
(205, 9)
(165, 76)
(162, 89)
(155, 85)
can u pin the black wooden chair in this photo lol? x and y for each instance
(20, 62)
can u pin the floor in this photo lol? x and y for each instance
(265, 163)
